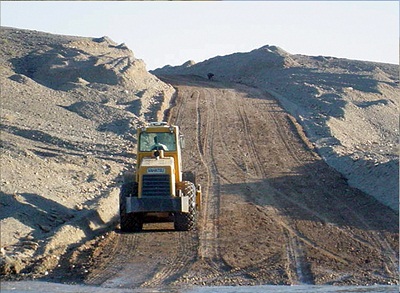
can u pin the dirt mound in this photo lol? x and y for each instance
(69, 109)
(84, 61)
(348, 108)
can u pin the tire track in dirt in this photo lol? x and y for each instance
(208, 132)
(227, 272)
(204, 138)
(355, 216)
(156, 260)
(208, 235)
(303, 240)
(295, 241)
(174, 267)
(117, 253)
(296, 266)
(252, 150)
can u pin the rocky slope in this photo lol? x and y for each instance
(348, 108)
(69, 106)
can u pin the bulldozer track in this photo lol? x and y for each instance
(354, 214)
(378, 241)
(272, 211)
(206, 119)
(294, 260)
(251, 148)
(295, 264)
(209, 233)
(175, 266)
(118, 253)
(206, 229)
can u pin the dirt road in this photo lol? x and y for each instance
(273, 212)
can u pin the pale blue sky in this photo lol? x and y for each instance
(171, 33)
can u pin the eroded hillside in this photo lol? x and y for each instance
(69, 106)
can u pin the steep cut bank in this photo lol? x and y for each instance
(348, 108)
(68, 109)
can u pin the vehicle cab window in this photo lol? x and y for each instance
(149, 141)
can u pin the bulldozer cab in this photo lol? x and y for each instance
(159, 136)
(157, 141)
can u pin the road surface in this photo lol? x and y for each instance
(273, 212)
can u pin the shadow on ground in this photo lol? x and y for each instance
(316, 192)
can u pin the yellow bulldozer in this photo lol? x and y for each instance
(159, 187)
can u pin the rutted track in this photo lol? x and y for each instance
(273, 212)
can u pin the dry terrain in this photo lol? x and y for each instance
(69, 107)
(348, 108)
(273, 211)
